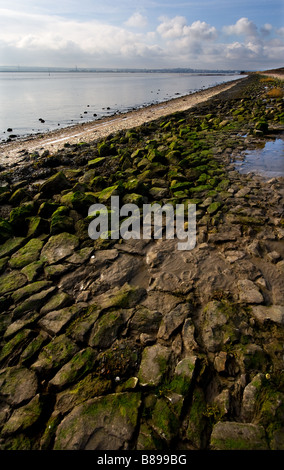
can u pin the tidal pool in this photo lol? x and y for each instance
(267, 161)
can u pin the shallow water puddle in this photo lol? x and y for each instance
(267, 161)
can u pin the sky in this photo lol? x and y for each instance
(198, 34)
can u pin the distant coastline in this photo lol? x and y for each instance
(19, 68)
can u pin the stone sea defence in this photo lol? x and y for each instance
(133, 344)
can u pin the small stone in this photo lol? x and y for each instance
(154, 364)
(188, 336)
(273, 256)
(234, 255)
(172, 320)
(220, 361)
(250, 397)
(248, 292)
(274, 313)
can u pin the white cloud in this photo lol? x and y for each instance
(177, 27)
(137, 20)
(266, 29)
(242, 27)
(280, 31)
(41, 39)
(172, 28)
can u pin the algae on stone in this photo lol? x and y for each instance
(107, 422)
(27, 254)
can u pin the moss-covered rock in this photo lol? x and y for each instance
(81, 364)
(183, 375)
(24, 418)
(164, 420)
(59, 247)
(197, 419)
(14, 346)
(105, 195)
(57, 301)
(55, 184)
(238, 436)
(34, 302)
(106, 328)
(11, 281)
(6, 230)
(133, 198)
(11, 245)
(18, 385)
(46, 209)
(214, 207)
(78, 200)
(19, 196)
(107, 422)
(32, 270)
(26, 255)
(37, 226)
(154, 364)
(29, 290)
(18, 217)
(55, 354)
(61, 222)
(96, 162)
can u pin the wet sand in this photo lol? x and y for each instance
(15, 152)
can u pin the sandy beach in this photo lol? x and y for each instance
(14, 152)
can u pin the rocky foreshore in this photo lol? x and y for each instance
(134, 344)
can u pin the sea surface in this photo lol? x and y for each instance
(267, 160)
(38, 102)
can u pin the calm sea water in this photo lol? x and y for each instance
(63, 99)
(267, 161)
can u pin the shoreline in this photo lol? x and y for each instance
(10, 152)
(134, 343)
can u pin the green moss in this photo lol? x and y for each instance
(32, 270)
(29, 290)
(33, 348)
(15, 344)
(11, 245)
(197, 420)
(49, 432)
(96, 162)
(26, 255)
(164, 420)
(18, 216)
(19, 442)
(11, 281)
(5, 230)
(214, 207)
(3, 263)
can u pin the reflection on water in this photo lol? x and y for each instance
(268, 160)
